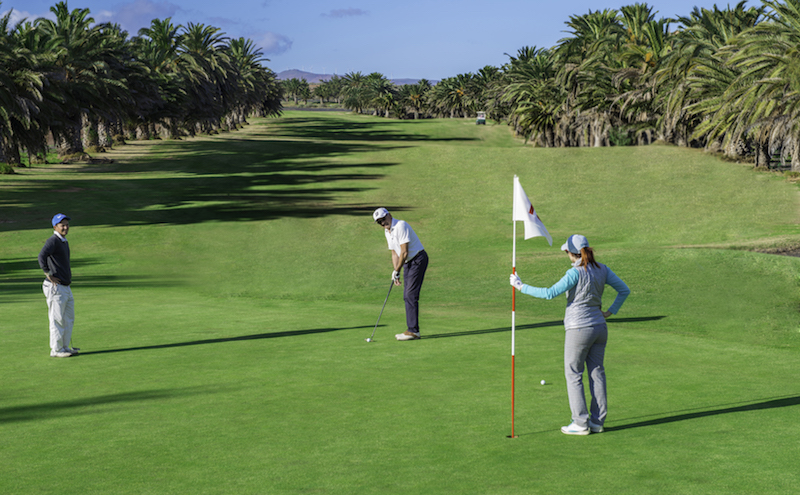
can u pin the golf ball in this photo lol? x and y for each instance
(543, 382)
(368, 340)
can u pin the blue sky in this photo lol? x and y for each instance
(433, 39)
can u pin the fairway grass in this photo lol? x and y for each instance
(225, 285)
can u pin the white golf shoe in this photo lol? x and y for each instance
(407, 336)
(595, 428)
(574, 429)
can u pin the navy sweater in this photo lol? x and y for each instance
(54, 259)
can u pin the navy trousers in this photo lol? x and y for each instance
(415, 274)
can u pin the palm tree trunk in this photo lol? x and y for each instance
(37, 154)
(9, 152)
(89, 133)
(104, 134)
(173, 129)
(597, 131)
(762, 154)
(71, 143)
(142, 132)
(795, 153)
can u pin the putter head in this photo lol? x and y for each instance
(368, 339)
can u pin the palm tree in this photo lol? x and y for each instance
(21, 85)
(587, 61)
(208, 76)
(412, 96)
(82, 76)
(295, 88)
(451, 96)
(481, 87)
(382, 94)
(159, 48)
(531, 92)
(330, 89)
(135, 90)
(252, 79)
(638, 104)
(355, 91)
(696, 70)
(763, 103)
(323, 92)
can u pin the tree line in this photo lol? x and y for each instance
(727, 80)
(87, 85)
(723, 79)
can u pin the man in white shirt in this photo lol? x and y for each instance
(407, 251)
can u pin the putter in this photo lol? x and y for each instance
(391, 284)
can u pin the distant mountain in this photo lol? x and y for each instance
(318, 78)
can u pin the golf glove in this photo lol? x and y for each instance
(395, 275)
(515, 281)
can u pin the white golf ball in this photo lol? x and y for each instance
(543, 382)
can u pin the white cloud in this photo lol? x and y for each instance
(103, 16)
(338, 13)
(273, 43)
(19, 15)
(137, 14)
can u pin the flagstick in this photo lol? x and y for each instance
(513, 314)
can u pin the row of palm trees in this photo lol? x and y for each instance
(371, 93)
(85, 85)
(724, 79)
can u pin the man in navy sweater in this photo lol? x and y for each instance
(54, 260)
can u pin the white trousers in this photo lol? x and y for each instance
(61, 312)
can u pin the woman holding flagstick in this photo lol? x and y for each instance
(585, 328)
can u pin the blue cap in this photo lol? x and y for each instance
(57, 219)
(575, 243)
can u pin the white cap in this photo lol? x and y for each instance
(575, 243)
(379, 213)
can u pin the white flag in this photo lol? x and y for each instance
(523, 211)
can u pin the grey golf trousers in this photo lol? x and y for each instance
(586, 345)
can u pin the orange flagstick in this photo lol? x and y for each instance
(513, 317)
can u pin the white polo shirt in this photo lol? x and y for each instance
(402, 233)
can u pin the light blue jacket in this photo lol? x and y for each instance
(584, 289)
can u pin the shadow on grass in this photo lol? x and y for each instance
(13, 266)
(688, 414)
(342, 129)
(258, 336)
(493, 330)
(745, 406)
(25, 286)
(79, 406)
(295, 167)
(535, 325)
